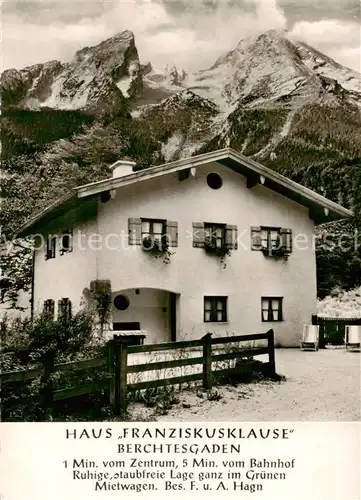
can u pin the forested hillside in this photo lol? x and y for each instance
(293, 119)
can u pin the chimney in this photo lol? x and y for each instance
(123, 167)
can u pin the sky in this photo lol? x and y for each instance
(189, 34)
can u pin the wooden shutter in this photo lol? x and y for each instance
(198, 234)
(231, 237)
(172, 232)
(60, 308)
(256, 238)
(53, 246)
(70, 249)
(49, 307)
(64, 308)
(68, 309)
(286, 235)
(46, 248)
(67, 234)
(134, 231)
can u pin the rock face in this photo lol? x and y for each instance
(98, 79)
(261, 71)
(268, 68)
(272, 98)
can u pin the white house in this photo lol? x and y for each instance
(194, 210)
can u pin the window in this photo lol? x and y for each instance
(215, 309)
(215, 234)
(64, 309)
(50, 247)
(152, 230)
(49, 307)
(121, 302)
(272, 309)
(153, 234)
(272, 241)
(66, 242)
(214, 181)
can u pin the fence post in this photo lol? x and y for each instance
(271, 353)
(123, 362)
(120, 356)
(207, 361)
(47, 386)
(112, 372)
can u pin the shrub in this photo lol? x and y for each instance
(29, 343)
(160, 398)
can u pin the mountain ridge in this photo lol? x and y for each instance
(272, 98)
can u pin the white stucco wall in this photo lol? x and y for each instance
(191, 273)
(66, 275)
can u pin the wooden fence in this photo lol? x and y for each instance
(116, 364)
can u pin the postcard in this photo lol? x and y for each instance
(180, 306)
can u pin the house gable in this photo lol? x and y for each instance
(320, 208)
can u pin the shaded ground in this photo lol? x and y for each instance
(323, 385)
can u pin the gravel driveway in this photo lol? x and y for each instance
(323, 385)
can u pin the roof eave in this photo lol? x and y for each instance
(326, 209)
(25, 229)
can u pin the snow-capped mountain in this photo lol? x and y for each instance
(267, 68)
(97, 79)
(271, 67)
(271, 97)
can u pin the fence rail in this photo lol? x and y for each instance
(23, 376)
(117, 368)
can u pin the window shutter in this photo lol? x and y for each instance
(172, 233)
(231, 237)
(46, 249)
(64, 308)
(256, 238)
(135, 231)
(68, 309)
(286, 235)
(198, 234)
(60, 308)
(53, 246)
(49, 307)
(70, 249)
(67, 235)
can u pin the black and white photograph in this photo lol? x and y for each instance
(181, 220)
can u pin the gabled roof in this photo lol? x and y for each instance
(321, 208)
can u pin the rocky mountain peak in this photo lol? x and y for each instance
(108, 72)
(270, 67)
